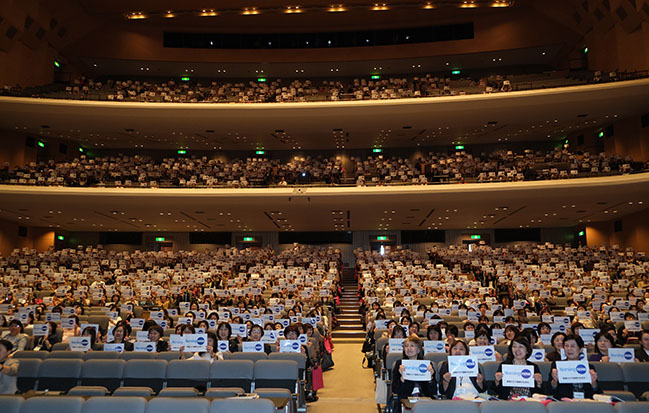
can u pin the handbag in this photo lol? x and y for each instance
(381, 392)
(317, 378)
(327, 362)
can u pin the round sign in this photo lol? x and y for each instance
(85, 342)
(488, 352)
(470, 363)
(295, 346)
(423, 368)
(628, 355)
(258, 347)
(526, 374)
(538, 356)
(581, 369)
(440, 346)
(200, 341)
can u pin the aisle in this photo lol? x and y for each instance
(348, 386)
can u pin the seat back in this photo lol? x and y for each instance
(580, 407)
(136, 355)
(636, 377)
(149, 373)
(59, 374)
(632, 407)
(188, 373)
(28, 354)
(40, 404)
(455, 406)
(115, 404)
(232, 373)
(609, 375)
(106, 373)
(509, 407)
(238, 406)
(390, 359)
(489, 370)
(10, 404)
(276, 373)
(168, 355)
(175, 405)
(248, 356)
(436, 357)
(27, 374)
(101, 355)
(299, 358)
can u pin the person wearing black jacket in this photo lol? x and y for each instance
(450, 385)
(572, 346)
(412, 350)
(643, 353)
(517, 354)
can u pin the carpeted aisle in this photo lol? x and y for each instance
(347, 387)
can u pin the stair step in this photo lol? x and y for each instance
(344, 327)
(348, 334)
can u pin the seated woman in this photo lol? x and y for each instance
(91, 333)
(155, 335)
(483, 338)
(517, 354)
(557, 344)
(643, 354)
(603, 341)
(433, 333)
(45, 343)
(121, 333)
(397, 332)
(8, 369)
(224, 333)
(572, 346)
(16, 336)
(255, 334)
(451, 387)
(412, 350)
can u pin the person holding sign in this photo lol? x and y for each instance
(643, 353)
(401, 384)
(155, 336)
(572, 346)
(8, 369)
(209, 355)
(45, 343)
(523, 382)
(91, 333)
(255, 334)
(16, 336)
(557, 345)
(603, 341)
(120, 335)
(451, 387)
(224, 333)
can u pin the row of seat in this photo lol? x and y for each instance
(73, 404)
(628, 381)
(64, 374)
(461, 406)
(135, 355)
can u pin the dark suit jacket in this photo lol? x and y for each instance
(448, 394)
(404, 389)
(566, 389)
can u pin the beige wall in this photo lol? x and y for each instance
(38, 238)
(13, 149)
(629, 139)
(619, 50)
(634, 234)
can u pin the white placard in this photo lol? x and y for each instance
(517, 376)
(239, 330)
(573, 371)
(144, 346)
(118, 347)
(289, 346)
(252, 347)
(537, 356)
(483, 353)
(136, 323)
(270, 336)
(68, 323)
(416, 370)
(53, 317)
(223, 345)
(431, 346)
(41, 330)
(588, 334)
(633, 325)
(195, 343)
(80, 343)
(396, 345)
(622, 355)
(463, 366)
(141, 335)
(176, 341)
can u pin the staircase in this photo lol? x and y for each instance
(350, 328)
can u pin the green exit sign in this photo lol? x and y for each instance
(455, 72)
(185, 78)
(581, 233)
(41, 144)
(381, 238)
(261, 79)
(601, 134)
(476, 236)
(459, 147)
(375, 77)
(248, 239)
(182, 152)
(260, 152)
(160, 239)
(60, 238)
(377, 150)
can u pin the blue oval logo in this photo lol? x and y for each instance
(223, 346)
(85, 342)
(440, 346)
(538, 356)
(562, 327)
(200, 341)
(526, 374)
(628, 355)
(582, 356)
(295, 346)
(488, 352)
(149, 347)
(423, 368)
(581, 369)
(242, 328)
(258, 347)
(470, 363)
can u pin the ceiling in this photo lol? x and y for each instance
(566, 203)
(473, 119)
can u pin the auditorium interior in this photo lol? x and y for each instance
(280, 206)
